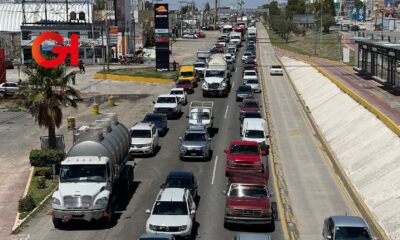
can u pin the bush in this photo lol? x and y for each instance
(41, 184)
(45, 157)
(46, 172)
(26, 204)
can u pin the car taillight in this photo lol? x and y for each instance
(229, 211)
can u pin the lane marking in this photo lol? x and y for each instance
(233, 84)
(215, 169)
(226, 111)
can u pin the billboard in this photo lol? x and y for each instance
(359, 13)
(161, 36)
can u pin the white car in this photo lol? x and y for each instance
(222, 43)
(173, 212)
(246, 55)
(229, 58)
(144, 139)
(190, 35)
(253, 129)
(181, 94)
(276, 70)
(168, 104)
(249, 74)
(254, 84)
(362, 27)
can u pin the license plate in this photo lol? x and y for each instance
(77, 213)
(193, 154)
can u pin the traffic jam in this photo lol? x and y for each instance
(173, 213)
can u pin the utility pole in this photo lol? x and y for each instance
(107, 36)
(320, 40)
(216, 14)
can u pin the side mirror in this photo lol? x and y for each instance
(180, 138)
(263, 153)
(226, 151)
(260, 106)
(148, 211)
(192, 211)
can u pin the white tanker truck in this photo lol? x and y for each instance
(94, 171)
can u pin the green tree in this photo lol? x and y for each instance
(47, 90)
(329, 7)
(148, 5)
(274, 9)
(358, 3)
(327, 22)
(295, 7)
(207, 7)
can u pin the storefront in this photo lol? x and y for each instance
(379, 60)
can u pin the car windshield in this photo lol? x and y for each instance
(247, 54)
(185, 82)
(228, 57)
(170, 208)
(248, 191)
(254, 134)
(200, 115)
(244, 89)
(351, 233)
(141, 134)
(176, 92)
(244, 149)
(250, 105)
(166, 100)
(250, 73)
(186, 74)
(214, 73)
(83, 173)
(252, 81)
(199, 65)
(194, 137)
(178, 183)
(276, 66)
(152, 118)
(252, 115)
(235, 37)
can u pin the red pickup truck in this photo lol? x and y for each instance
(245, 157)
(248, 201)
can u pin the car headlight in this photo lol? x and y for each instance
(102, 201)
(229, 211)
(152, 227)
(205, 86)
(182, 228)
(183, 149)
(56, 201)
(148, 145)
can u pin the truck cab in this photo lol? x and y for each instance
(188, 73)
(216, 79)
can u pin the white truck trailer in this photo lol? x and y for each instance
(216, 79)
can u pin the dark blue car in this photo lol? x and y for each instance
(159, 120)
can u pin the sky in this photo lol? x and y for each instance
(174, 4)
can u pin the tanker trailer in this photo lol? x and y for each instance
(94, 171)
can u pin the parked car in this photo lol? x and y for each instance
(8, 89)
(254, 84)
(182, 179)
(187, 85)
(244, 91)
(144, 139)
(180, 93)
(201, 34)
(346, 228)
(159, 236)
(173, 212)
(196, 143)
(246, 157)
(159, 120)
(276, 70)
(208, 28)
(249, 105)
(168, 104)
(248, 201)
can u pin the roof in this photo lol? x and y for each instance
(180, 174)
(244, 178)
(348, 221)
(253, 123)
(84, 160)
(11, 16)
(167, 94)
(196, 129)
(252, 236)
(142, 125)
(171, 194)
(177, 89)
(155, 236)
(156, 114)
(187, 68)
(241, 142)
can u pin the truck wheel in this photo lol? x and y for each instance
(2, 94)
(129, 182)
(57, 222)
(106, 222)
(271, 225)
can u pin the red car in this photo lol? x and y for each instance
(187, 85)
(245, 156)
(249, 105)
(201, 34)
(248, 201)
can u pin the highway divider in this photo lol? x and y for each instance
(131, 78)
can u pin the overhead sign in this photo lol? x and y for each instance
(161, 36)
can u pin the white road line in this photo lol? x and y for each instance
(226, 111)
(233, 84)
(215, 168)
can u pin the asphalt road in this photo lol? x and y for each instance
(151, 172)
(313, 189)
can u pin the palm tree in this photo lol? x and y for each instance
(47, 91)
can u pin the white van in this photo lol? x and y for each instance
(253, 129)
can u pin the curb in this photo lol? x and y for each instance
(130, 78)
(381, 116)
(351, 191)
(282, 213)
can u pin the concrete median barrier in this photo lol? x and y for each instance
(365, 149)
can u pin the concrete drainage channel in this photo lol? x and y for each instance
(346, 180)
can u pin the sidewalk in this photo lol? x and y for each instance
(385, 100)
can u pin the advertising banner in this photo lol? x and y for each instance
(161, 36)
(113, 35)
(359, 13)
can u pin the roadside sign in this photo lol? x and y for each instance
(113, 34)
(337, 5)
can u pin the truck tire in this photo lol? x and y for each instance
(106, 222)
(271, 225)
(2, 94)
(57, 223)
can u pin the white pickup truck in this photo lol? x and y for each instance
(201, 114)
